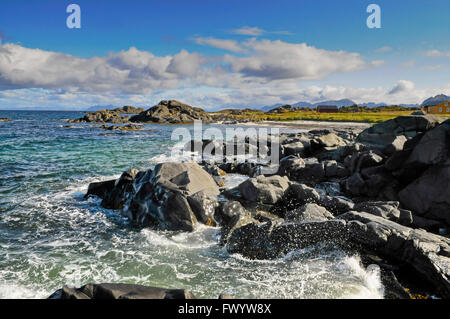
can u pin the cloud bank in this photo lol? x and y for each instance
(140, 72)
(251, 72)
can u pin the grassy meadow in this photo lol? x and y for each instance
(366, 117)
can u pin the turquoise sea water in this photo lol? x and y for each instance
(50, 236)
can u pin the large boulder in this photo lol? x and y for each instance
(300, 194)
(261, 241)
(308, 213)
(232, 215)
(308, 170)
(433, 148)
(384, 136)
(328, 140)
(171, 196)
(265, 190)
(120, 291)
(429, 195)
(390, 210)
(294, 148)
(172, 112)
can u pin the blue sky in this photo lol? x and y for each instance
(221, 53)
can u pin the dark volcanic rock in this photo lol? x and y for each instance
(261, 241)
(203, 204)
(309, 213)
(120, 291)
(123, 189)
(429, 195)
(266, 190)
(171, 196)
(100, 189)
(428, 254)
(384, 135)
(114, 192)
(425, 253)
(433, 148)
(171, 112)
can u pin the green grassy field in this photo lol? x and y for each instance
(367, 117)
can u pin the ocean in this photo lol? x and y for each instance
(50, 236)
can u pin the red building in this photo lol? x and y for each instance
(327, 109)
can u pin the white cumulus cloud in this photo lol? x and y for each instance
(402, 86)
(281, 60)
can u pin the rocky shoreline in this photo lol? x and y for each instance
(383, 192)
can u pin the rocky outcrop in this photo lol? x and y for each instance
(171, 112)
(128, 109)
(103, 116)
(120, 291)
(5, 119)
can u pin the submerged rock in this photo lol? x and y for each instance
(129, 127)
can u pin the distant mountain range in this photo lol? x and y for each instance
(339, 103)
